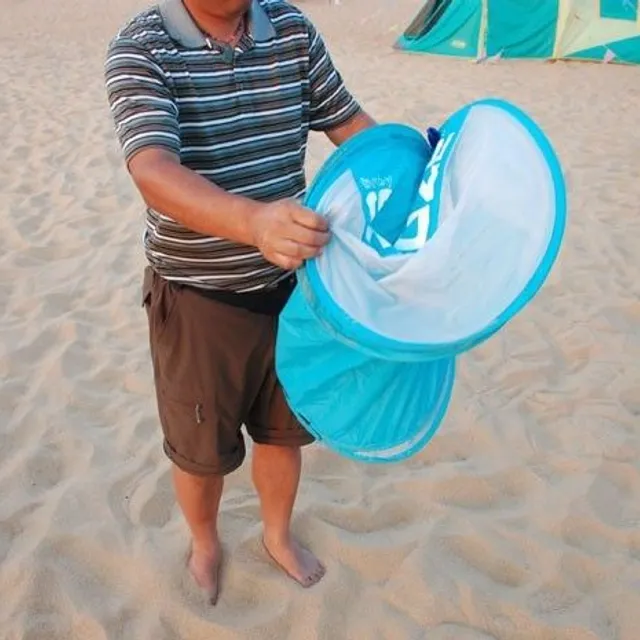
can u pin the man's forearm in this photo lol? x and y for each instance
(190, 199)
(354, 125)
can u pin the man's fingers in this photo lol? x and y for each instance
(309, 219)
(295, 249)
(285, 262)
(292, 234)
(309, 237)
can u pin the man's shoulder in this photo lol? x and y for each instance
(284, 14)
(146, 29)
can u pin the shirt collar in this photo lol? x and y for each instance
(181, 27)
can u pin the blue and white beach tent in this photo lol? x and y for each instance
(433, 250)
(597, 30)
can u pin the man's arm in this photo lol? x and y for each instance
(284, 232)
(146, 122)
(333, 110)
(194, 201)
(343, 132)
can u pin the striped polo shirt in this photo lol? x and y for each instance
(239, 117)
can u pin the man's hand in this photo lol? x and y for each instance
(287, 233)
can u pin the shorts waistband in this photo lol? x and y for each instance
(268, 301)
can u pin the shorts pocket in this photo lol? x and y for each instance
(159, 298)
(194, 437)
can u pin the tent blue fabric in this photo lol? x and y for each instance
(598, 30)
(534, 37)
(619, 9)
(351, 400)
(433, 251)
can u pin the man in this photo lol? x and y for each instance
(212, 102)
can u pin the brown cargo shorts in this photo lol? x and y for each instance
(214, 371)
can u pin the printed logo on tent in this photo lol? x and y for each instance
(378, 191)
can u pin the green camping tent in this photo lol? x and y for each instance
(606, 30)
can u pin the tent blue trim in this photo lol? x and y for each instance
(347, 328)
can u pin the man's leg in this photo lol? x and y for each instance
(276, 474)
(202, 352)
(199, 500)
(277, 462)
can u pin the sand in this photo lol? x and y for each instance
(520, 521)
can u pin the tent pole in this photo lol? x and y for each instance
(482, 36)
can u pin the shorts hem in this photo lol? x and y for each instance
(197, 469)
(283, 440)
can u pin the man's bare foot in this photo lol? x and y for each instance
(296, 561)
(204, 566)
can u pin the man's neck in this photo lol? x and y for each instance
(220, 27)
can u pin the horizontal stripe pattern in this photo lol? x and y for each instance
(244, 126)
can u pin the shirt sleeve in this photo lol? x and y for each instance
(142, 105)
(331, 102)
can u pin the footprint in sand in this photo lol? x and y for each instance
(449, 631)
(630, 400)
(496, 491)
(153, 500)
(614, 495)
(46, 468)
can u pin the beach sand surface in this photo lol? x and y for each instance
(521, 521)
